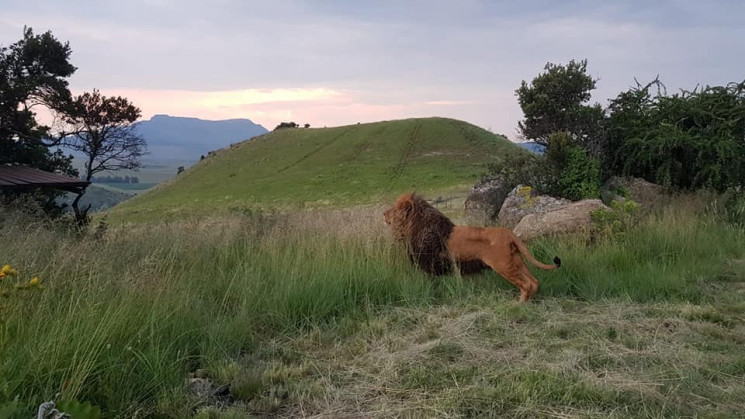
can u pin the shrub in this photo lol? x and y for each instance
(580, 178)
(527, 169)
(622, 216)
(688, 141)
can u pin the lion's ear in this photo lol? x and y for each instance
(407, 206)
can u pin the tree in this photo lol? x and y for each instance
(103, 130)
(33, 73)
(555, 101)
(283, 125)
(688, 140)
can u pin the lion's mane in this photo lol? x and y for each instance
(425, 232)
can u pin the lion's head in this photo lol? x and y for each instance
(423, 229)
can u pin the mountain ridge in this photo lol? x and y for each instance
(186, 139)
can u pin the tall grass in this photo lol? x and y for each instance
(124, 317)
(668, 255)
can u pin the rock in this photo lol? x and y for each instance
(524, 200)
(206, 390)
(485, 199)
(569, 219)
(644, 193)
(200, 387)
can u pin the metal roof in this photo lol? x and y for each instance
(20, 177)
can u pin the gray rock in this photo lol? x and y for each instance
(644, 193)
(200, 387)
(524, 200)
(572, 218)
(485, 199)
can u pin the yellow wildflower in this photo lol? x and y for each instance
(2, 274)
(34, 281)
(7, 270)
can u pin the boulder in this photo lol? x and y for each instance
(524, 200)
(572, 218)
(646, 194)
(485, 199)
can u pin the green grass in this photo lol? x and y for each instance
(322, 167)
(319, 313)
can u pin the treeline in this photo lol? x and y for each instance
(115, 179)
(291, 124)
(686, 140)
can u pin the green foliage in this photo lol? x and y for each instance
(689, 140)
(526, 169)
(580, 177)
(555, 101)
(566, 170)
(33, 73)
(621, 216)
(79, 410)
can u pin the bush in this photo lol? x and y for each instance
(580, 178)
(577, 174)
(689, 140)
(622, 216)
(527, 169)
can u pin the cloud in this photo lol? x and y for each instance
(448, 102)
(342, 62)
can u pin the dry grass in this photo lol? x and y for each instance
(487, 356)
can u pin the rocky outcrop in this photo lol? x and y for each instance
(522, 201)
(571, 218)
(485, 199)
(644, 193)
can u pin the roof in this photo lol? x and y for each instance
(20, 177)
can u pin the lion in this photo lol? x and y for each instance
(435, 245)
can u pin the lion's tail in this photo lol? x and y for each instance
(526, 253)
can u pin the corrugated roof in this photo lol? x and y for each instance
(20, 177)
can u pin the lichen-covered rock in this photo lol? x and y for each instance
(571, 218)
(485, 199)
(524, 200)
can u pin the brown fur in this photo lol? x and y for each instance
(434, 243)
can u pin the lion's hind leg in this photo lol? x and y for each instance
(512, 271)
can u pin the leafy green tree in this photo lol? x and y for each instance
(103, 131)
(33, 73)
(557, 101)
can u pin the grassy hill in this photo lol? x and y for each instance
(321, 167)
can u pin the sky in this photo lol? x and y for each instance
(330, 63)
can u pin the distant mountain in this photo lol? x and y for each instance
(533, 146)
(172, 138)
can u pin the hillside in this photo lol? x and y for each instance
(318, 167)
(172, 138)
